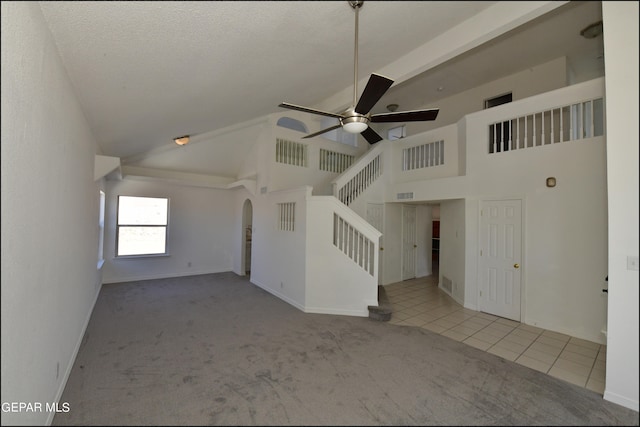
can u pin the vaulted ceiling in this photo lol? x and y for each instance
(146, 72)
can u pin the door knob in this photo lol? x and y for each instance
(381, 248)
(415, 246)
(516, 265)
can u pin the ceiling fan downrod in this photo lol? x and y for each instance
(356, 5)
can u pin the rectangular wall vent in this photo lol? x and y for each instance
(447, 284)
(405, 196)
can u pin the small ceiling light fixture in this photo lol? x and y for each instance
(440, 88)
(392, 107)
(592, 31)
(182, 140)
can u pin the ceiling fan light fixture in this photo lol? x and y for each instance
(354, 124)
(182, 140)
(357, 117)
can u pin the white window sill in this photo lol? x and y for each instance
(141, 256)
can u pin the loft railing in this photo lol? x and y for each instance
(353, 243)
(570, 122)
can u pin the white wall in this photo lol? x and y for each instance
(452, 246)
(621, 62)
(201, 231)
(392, 266)
(535, 80)
(278, 257)
(564, 228)
(49, 216)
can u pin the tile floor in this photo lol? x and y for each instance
(419, 302)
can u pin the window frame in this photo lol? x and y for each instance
(165, 226)
(102, 203)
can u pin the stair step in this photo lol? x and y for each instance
(382, 311)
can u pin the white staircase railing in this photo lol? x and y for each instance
(354, 243)
(343, 277)
(355, 180)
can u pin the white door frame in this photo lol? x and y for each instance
(247, 221)
(403, 251)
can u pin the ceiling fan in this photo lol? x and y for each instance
(357, 117)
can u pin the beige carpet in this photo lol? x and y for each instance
(217, 350)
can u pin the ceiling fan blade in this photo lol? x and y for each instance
(322, 131)
(373, 91)
(406, 116)
(309, 110)
(371, 135)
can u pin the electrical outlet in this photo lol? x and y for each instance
(633, 263)
(281, 285)
(189, 264)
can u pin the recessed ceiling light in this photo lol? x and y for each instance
(440, 88)
(182, 140)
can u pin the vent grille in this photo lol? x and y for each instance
(447, 285)
(405, 196)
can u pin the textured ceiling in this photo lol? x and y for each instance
(146, 72)
(149, 71)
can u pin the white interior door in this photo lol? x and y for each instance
(375, 217)
(408, 242)
(500, 258)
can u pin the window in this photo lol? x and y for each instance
(293, 124)
(498, 100)
(142, 226)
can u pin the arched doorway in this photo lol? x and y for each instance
(247, 221)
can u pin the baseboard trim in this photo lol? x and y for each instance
(279, 295)
(74, 355)
(337, 312)
(621, 400)
(165, 275)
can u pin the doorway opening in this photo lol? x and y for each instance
(247, 223)
(435, 239)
